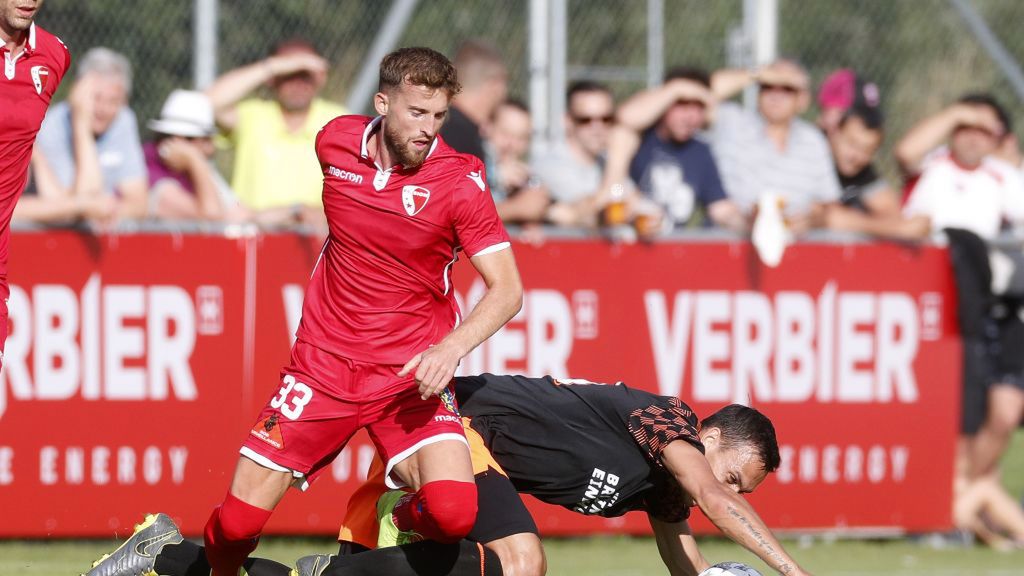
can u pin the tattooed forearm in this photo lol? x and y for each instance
(779, 560)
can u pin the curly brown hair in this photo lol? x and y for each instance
(419, 67)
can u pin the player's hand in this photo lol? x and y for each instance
(435, 368)
(287, 64)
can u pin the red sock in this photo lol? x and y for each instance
(444, 510)
(232, 534)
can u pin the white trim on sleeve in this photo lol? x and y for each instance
(491, 249)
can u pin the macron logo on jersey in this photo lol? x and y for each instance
(476, 177)
(345, 175)
(414, 198)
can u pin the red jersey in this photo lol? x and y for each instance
(381, 291)
(26, 87)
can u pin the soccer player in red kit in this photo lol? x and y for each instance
(381, 334)
(34, 63)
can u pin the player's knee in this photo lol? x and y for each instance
(451, 508)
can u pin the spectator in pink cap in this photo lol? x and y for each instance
(842, 90)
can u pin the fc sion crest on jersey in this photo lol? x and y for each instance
(414, 198)
(40, 76)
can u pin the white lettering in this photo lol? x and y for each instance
(900, 456)
(794, 357)
(341, 468)
(48, 465)
(125, 465)
(56, 355)
(366, 454)
(752, 344)
(123, 342)
(830, 464)
(151, 468)
(292, 294)
(897, 346)
(669, 342)
(549, 333)
(849, 464)
(171, 335)
(178, 456)
(19, 343)
(74, 465)
(854, 382)
(848, 347)
(100, 465)
(711, 349)
(6, 465)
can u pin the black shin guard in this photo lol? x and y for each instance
(427, 558)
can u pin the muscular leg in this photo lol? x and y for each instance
(445, 503)
(520, 555)
(1005, 409)
(234, 527)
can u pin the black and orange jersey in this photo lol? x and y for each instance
(592, 448)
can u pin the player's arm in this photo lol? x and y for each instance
(678, 548)
(436, 366)
(726, 509)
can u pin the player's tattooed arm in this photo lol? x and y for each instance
(726, 509)
(780, 562)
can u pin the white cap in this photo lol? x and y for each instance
(185, 113)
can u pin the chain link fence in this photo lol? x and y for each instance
(920, 53)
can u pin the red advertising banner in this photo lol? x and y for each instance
(136, 366)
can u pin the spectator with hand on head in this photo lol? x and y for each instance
(656, 145)
(89, 145)
(772, 150)
(183, 183)
(275, 173)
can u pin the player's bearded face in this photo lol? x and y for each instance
(414, 117)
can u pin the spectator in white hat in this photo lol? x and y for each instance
(183, 183)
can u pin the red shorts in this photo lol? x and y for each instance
(324, 399)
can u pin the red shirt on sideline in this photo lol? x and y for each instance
(381, 291)
(26, 88)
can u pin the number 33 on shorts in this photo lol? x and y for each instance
(299, 393)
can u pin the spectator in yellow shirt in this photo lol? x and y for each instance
(275, 172)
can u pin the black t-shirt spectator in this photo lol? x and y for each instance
(463, 134)
(856, 188)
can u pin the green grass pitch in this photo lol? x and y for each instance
(623, 556)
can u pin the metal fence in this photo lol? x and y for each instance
(922, 53)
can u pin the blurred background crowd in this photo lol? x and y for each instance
(890, 120)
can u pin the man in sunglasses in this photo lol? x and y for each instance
(572, 171)
(657, 148)
(772, 150)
